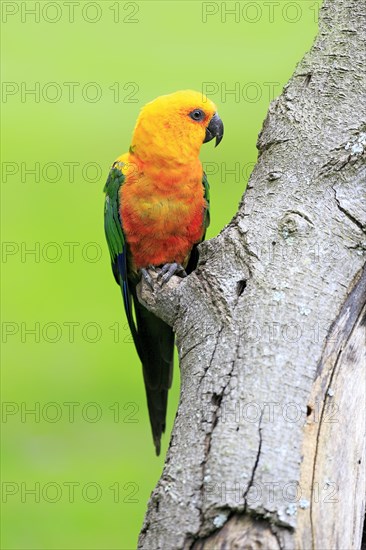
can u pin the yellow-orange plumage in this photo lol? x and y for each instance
(162, 199)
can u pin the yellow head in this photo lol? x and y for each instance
(173, 127)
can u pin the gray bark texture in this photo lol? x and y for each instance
(267, 450)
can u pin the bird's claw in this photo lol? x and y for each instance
(168, 270)
(147, 277)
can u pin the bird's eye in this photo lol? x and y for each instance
(197, 114)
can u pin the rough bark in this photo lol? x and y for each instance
(267, 449)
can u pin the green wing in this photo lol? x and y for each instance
(206, 194)
(115, 237)
(193, 259)
(112, 222)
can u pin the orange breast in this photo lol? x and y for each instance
(162, 213)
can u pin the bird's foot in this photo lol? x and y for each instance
(168, 270)
(146, 275)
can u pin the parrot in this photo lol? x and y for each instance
(156, 212)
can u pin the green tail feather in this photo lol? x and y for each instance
(156, 350)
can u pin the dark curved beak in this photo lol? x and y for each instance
(214, 129)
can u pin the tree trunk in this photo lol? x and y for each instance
(267, 449)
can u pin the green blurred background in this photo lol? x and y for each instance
(91, 464)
